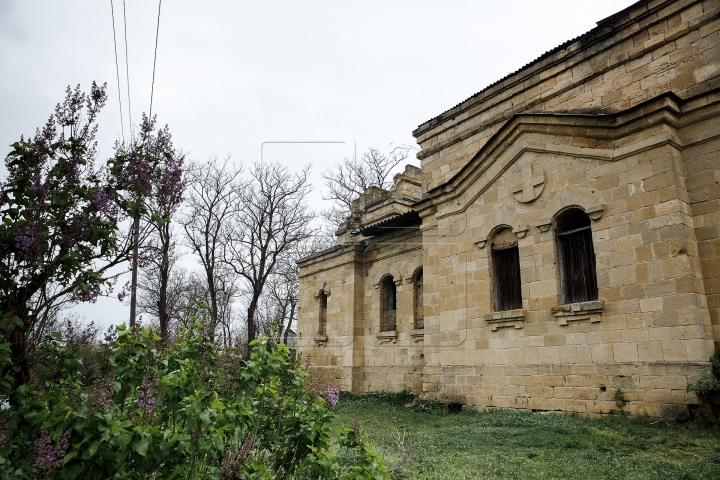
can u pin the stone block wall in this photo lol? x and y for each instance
(650, 334)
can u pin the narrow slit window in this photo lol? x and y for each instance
(576, 257)
(388, 304)
(322, 327)
(506, 271)
(419, 307)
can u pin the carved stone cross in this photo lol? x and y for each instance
(531, 186)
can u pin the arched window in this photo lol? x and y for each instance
(419, 306)
(322, 324)
(387, 303)
(576, 257)
(506, 271)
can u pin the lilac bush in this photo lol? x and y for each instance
(184, 409)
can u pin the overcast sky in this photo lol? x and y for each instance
(233, 75)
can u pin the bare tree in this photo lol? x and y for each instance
(162, 291)
(273, 219)
(212, 201)
(163, 204)
(355, 175)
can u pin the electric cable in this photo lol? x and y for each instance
(157, 34)
(127, 70)
(117, 71)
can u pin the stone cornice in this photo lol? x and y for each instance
(666, 113)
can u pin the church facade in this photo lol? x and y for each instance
(560, 243)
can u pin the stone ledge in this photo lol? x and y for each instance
(321, 340)
(508, 318)
(387, 337)
(579, 311)
(417, 335)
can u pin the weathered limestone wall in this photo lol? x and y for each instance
(392, 363)
(639, 156)
(702, 163)
(353, 355)
(331, 357)
(652, 334)
(658, 47)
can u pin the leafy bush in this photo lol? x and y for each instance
(184, 410)
(707, 384)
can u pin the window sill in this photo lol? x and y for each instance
(417, 335)
(579, 311)
(321, 340)
(387, 337)
(508, 318)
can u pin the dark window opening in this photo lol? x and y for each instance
(322, 327)
(388, 304)
(419, 306)
(576, 257)
(506, 271)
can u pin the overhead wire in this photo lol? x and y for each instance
(157, 34)
(117, 71)
(127, 70)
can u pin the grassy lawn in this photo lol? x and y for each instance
(503, 444)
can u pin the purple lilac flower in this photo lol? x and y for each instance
(6, 431)
(331, 394)
(147, 393)
(102, 393)
(48, 456)
(124, 292)
(233, 463)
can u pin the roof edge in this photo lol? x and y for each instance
(601, 28)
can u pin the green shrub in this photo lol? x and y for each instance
(707, 384)
(184, 410)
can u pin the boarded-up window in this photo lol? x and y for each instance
(419, 308)
(576, 257)
(322, 327)
(506, 271)
(387, 303)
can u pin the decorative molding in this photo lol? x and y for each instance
(544, 224)
(595, 212)
(321, 340)
(521, 231)
(508, 318)
(417, 335)
(387, 337)
(481, 242)
(325, 289)
(580, 311)
(531, 186)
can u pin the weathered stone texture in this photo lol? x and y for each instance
(622, 124)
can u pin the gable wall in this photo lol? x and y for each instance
(653, 335)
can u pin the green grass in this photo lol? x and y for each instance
(503, 444)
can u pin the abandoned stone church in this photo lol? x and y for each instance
(560, 242)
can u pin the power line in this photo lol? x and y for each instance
(157, 33)
(117, 71)
(127, 70)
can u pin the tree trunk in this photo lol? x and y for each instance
(164, 278)
(290, 320)
(133, 287)
(18, 350)
(251, 322)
